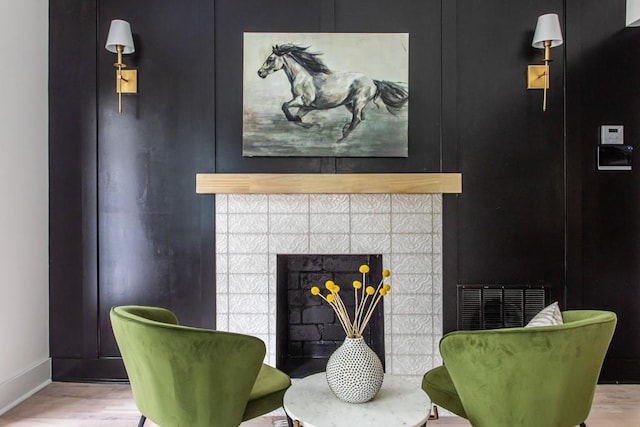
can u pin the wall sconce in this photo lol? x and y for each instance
(120, 41)
(546, 36)
(633, 13)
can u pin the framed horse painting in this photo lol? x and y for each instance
(325, 94)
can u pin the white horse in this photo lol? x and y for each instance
(315, 87)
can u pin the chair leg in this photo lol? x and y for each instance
(434, 413)
(142, 420)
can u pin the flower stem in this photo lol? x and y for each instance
(370, 312)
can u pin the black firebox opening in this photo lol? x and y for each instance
(307, 330)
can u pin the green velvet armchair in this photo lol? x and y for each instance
(183, 376)
(525, 377)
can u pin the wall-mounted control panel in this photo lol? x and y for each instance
(611, 134)
(612, 154)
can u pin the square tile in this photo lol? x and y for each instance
(411, 283)
(249, 324)
(222, 283)
(370, 203)
(437, 203)
(411, 243)
(221, 223)
(288, 223)
(248, 243)
(411, 203)
(421, 303)
(222, 322)
(411, 223)
(436, 306)
(254, 263)
(415, 345)
(222, 303)
(418, 324)
(220, 202)
(289, 203)
(248, 223)
(248, 203)
(249, 304)
(222, 263)
(371, 244)
(436, 225)
(437, 243)
(289, 243)
(329, 203)
(436, 266)
(411, 263)
(437, 284)
(412, 365)
(372, 223)
(222, 240)
(329, 223)
(329, 244)
(249, 283)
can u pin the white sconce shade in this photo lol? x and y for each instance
(547, 35)
(120, 34)
(120, 41)
(547, 29)
(633, 13)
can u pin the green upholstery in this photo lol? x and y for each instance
(525, 377)
(183, 376)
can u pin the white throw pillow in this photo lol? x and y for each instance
(548, 316)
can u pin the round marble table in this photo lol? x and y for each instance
(310, 403)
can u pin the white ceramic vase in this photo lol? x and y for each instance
(354, 372)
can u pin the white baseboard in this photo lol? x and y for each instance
(24, 385)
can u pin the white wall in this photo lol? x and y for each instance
(24, 205)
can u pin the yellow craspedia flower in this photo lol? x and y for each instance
(329, 284)
(387, 287)
(383, 291)
(330, 298)
(336, 289)
(364, 268)
(386, 273)
(370, 290)
(357, 284)
(315, 290)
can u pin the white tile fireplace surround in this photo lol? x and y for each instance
(251, 230)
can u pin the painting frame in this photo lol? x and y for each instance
(359, 108)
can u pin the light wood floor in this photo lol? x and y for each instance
(111, 405)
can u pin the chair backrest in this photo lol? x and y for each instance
(182, 376)
(543, 376)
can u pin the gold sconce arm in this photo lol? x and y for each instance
(126, 80)
(538, 75)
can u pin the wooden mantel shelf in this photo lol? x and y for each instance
(314, 183)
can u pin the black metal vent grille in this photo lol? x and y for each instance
(499, 306)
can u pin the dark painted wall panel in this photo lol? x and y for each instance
(611, 206)
(509, 220)
(125, 184)
(510, 152)
(72, 195)
(149, 215)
